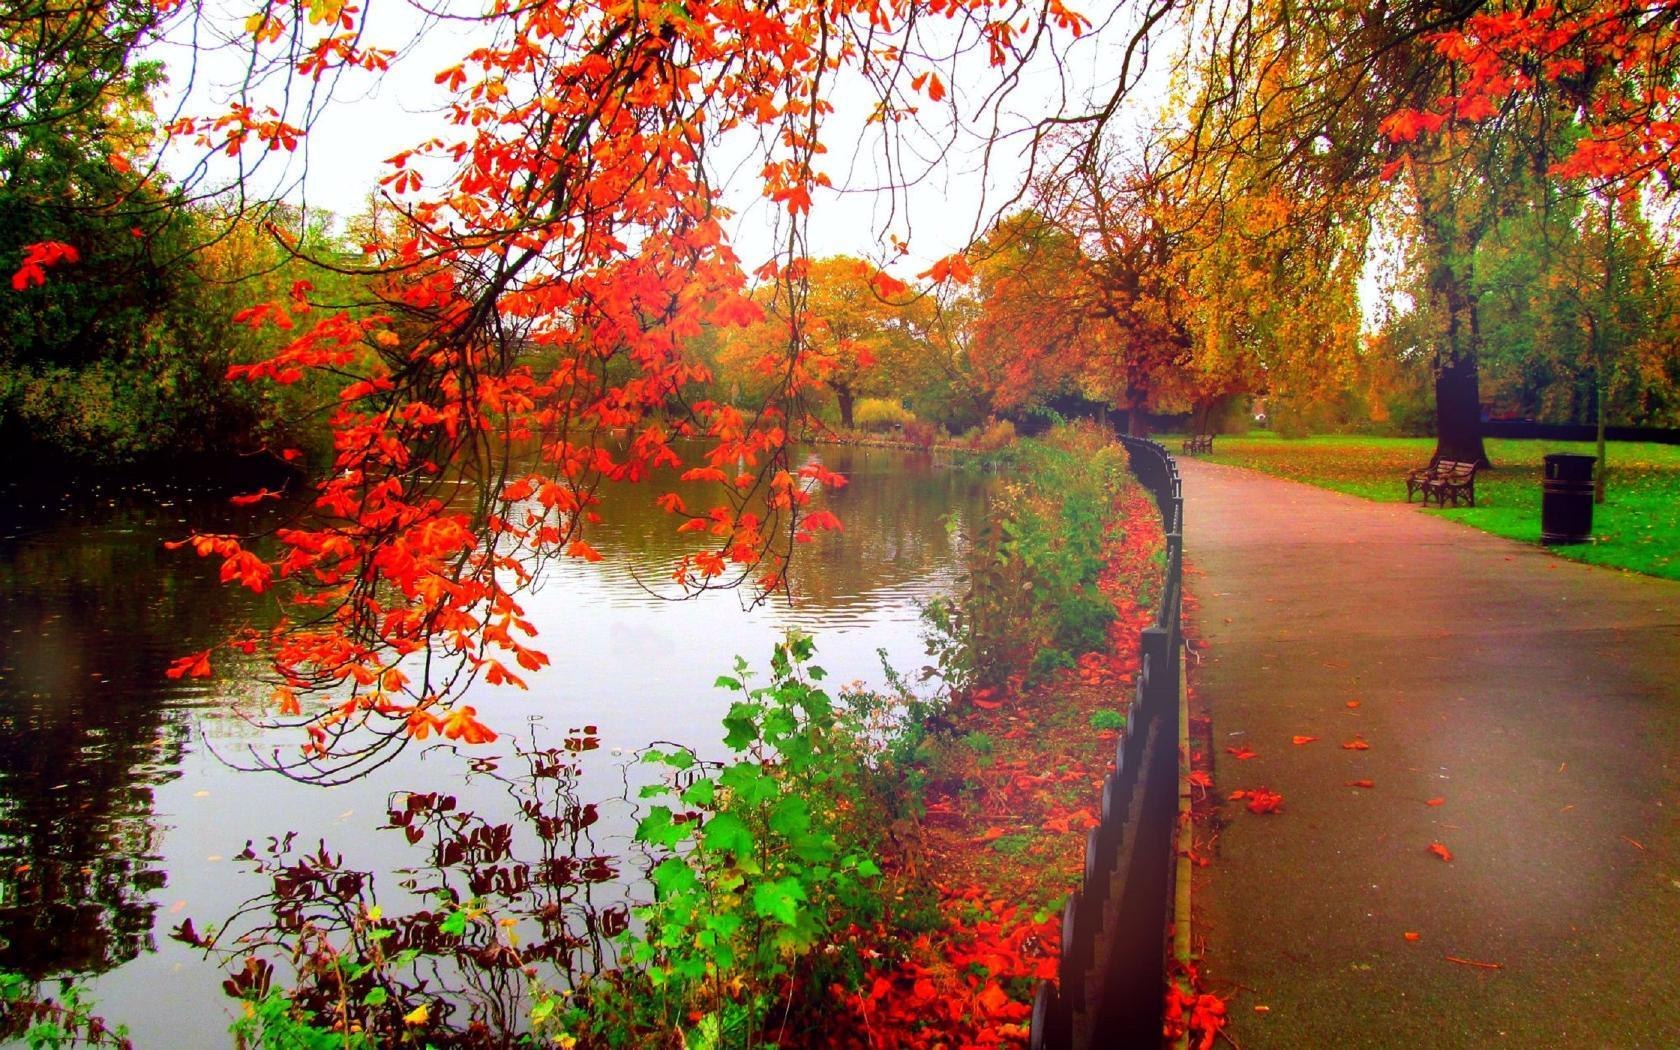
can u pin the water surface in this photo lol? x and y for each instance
(120, 815)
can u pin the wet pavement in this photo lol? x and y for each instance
(1535, 701)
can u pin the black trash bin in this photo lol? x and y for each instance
(1566, 498)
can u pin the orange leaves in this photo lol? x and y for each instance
(196, 665)
(797, 199)
(1260, 800)
(1199, 1014)
(1241, 754)
(1413, 936)
(887, 286)
(1440, 850)
(462, 724)
(1435, 802)
(496, 674)
(248, 570)
(1298, 740)
(817, 521)
(247, 499)
(934, 86)
(286, 702)
(1078, 820)
(580, 549)
(1361, 784)
(1407, 125)
(951, 268)
(37, 257)
(1356, 744)
(1351, 704)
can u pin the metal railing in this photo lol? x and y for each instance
(1112, 979)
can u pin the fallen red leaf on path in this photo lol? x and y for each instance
(1302, 739)
(1361, 784)
(1474, 962)
(1353, 703)
(1356, 744)
(1413, 935)
(988, 705)
(1435, 802)
(1262, 801)
(1440, 851)
(1241, 753)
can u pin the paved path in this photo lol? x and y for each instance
(1538, 697)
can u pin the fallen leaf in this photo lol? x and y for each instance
(1241, 753)
(1413, 935)
(990, 834)
(1302, 739)
(1361, 784)
(1440, 851)
(1356, 744)
(1474, 962)
(1435, 802)
(1353, 703)
(1262, 801)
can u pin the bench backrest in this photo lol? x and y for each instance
(1455, 470)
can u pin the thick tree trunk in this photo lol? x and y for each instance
(1458, 411)
(846, 397)
(1136, 424)
(1458, 399)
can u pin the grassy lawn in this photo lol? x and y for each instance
(1637, 528)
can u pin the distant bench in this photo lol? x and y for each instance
(1443, 480)
(1198, 443)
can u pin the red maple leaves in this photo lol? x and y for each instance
(1260, 800)
(37, 257)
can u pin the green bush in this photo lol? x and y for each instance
(877, 414)
(1032, 603)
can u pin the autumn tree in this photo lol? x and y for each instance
(856, 341)
(1084, 293)
(1305, 103)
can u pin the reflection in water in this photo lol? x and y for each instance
(537, 888)
(116, 821)
(91, 614)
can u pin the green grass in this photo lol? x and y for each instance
(1636, 528)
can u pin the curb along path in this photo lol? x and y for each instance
(1521, 711)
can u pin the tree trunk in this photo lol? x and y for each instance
(1600, 467)
(1458, 411)
(1458, 400)
(845, 396)
(1136, 425)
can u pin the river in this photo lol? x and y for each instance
(121, 807)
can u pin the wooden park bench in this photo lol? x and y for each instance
(1198, 443)
(1416, 478)
(1448, 479)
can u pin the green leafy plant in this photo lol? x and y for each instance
(762, 858)
(1032, 603)
(45, 1022)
